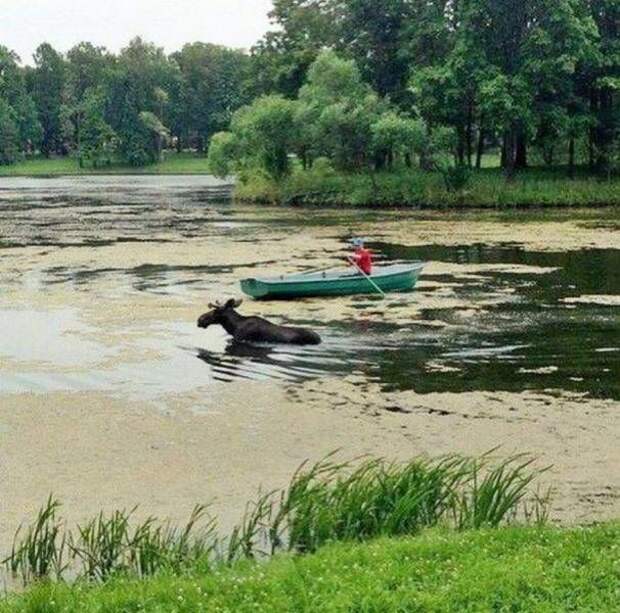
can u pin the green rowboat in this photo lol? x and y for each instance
(341, 282)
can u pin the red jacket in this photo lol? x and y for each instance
(363, 258)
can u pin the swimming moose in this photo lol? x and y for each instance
(254, 329)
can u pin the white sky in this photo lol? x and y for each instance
(24, 24)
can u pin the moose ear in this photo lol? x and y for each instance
(231, 304)
(238, 302)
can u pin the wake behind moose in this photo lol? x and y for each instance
(254, 329)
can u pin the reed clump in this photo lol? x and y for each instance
(331, 501)
(39, 551)
(325, 502)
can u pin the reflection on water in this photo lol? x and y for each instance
(251, 361)
(535, 340)
(494, 329)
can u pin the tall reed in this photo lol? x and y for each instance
(332, 501)
(496, 493)
(39, 553)
(324, 502)
(154, 547)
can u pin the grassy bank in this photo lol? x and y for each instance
(173, 164)
(486, 188)
(326, 502)
(510, 569)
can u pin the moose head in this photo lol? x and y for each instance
(218, 312)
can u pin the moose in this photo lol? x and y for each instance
(254, 329)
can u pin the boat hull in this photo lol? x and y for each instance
(399, 278)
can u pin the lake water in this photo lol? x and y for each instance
(541, 318)
(110, 395)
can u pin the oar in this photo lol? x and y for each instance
(367, 277)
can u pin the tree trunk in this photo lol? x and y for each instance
(469, 134)
(520, 148)
(592, 131)
(510, 140)
(460, 148)
(480, 147)
(571, 157)
(604, 131)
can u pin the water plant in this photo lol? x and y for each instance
(325, 502)
(39, 552)
(333, 501)
(154, 546)
(497, 493)
(101, 544)
(115, 544)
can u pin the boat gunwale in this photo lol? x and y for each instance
(307, 278)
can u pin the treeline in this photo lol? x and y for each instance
(536, 80)
(104, 107)
(337, 120)
(538, 77)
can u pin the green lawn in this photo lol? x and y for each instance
(509, 569)
(174, 163)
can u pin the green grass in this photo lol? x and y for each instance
(174, 163)
(510, 569)
(486, 188)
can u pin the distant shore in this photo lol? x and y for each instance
(538, 187)
(412, 188)
(172, 164)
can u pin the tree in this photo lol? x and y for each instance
(394, 137)
(9, 134)
(97, 136)
(282, 58)
(47, 83)
(264, 132)
(222, 153)
(86, 71)
(13, 92)
(134, 101)
(534, 46)
(602, 71)
(212, 86)
(340, 108)
(373, 34)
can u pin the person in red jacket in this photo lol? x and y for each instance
(362, 257)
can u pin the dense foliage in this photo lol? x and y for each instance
(337, 119)
(537, 78)
(366, 84)
(104, 108)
